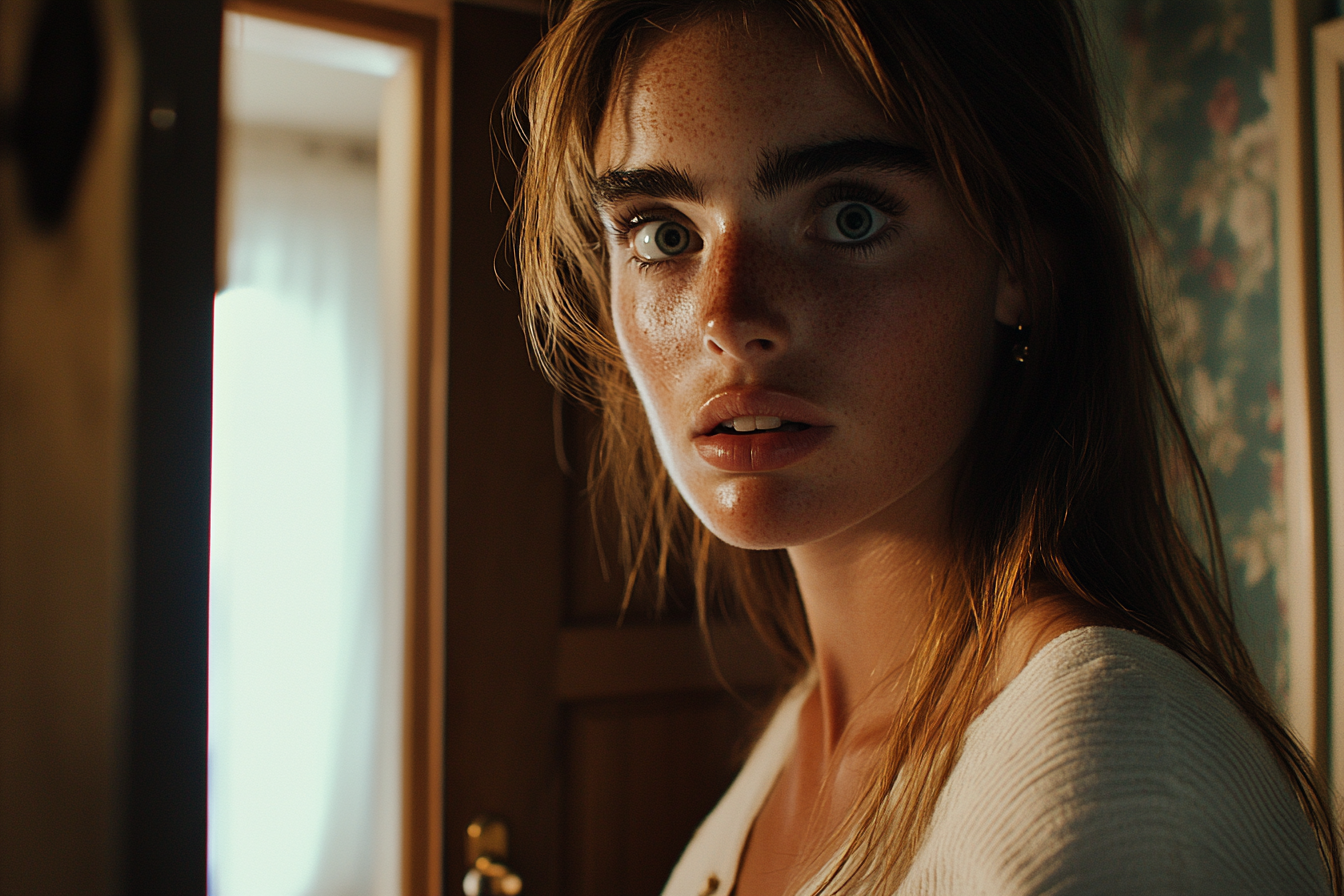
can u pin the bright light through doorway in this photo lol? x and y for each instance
(308, 487)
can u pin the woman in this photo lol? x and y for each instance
(851, 284)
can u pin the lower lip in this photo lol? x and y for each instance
(759, 452)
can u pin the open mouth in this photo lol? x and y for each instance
(750, 424)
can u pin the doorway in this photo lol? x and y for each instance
(308, 492)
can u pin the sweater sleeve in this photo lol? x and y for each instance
(1115, 767)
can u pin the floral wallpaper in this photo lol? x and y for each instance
(1192, 86)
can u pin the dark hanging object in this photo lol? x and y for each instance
(51, 126)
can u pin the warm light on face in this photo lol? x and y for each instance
(780, 253)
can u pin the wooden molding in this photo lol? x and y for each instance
(536, 7)
(389, 21)
(1329, 46)
(423, 858)
(600, 662)
(1305, 565)
(442, 9)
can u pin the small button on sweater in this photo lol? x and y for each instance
(1109, 765)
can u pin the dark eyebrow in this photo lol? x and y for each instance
(784, 168)
(656, 182)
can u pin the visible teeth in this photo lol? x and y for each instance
(751, 424)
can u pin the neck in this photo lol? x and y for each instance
(867, 593)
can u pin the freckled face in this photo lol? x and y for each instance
(808, 320)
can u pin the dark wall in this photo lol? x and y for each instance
(165, 832)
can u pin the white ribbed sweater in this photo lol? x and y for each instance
(1109, 765)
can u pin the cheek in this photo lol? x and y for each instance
(654, 330)
(920, 349)
(914, 336)
(652, 333)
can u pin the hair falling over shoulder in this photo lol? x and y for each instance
(1081, 478)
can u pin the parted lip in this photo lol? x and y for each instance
(758, 401)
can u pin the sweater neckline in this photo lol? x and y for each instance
(749, 791)
(1041, 664)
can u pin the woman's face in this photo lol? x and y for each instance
(806, 315)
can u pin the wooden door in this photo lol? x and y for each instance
(602, 746)
(105, 344)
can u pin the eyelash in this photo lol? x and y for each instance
(618, 229)
(621, 228)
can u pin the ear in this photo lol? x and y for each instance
(1010, 301)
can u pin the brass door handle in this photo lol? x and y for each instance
(491, 879)
(487, 849)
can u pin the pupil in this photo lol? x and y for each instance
(855, 221)
(670, 239)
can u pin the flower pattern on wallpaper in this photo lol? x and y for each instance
(1194, 87)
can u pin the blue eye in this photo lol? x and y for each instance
(851, 222)
(660, 240)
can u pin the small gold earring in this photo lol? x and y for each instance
(1021, 348)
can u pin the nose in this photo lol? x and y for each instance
(741, 317)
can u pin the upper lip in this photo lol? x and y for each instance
(757, 401)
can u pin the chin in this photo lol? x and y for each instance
(762, 513)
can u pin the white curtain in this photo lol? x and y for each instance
(307, 539)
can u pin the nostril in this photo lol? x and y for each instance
(737, 337)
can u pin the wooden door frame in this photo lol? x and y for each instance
(164, 715)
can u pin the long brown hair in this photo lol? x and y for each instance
(1080, 477)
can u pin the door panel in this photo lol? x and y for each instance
(640, 775)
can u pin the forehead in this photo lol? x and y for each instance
(721, 93)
